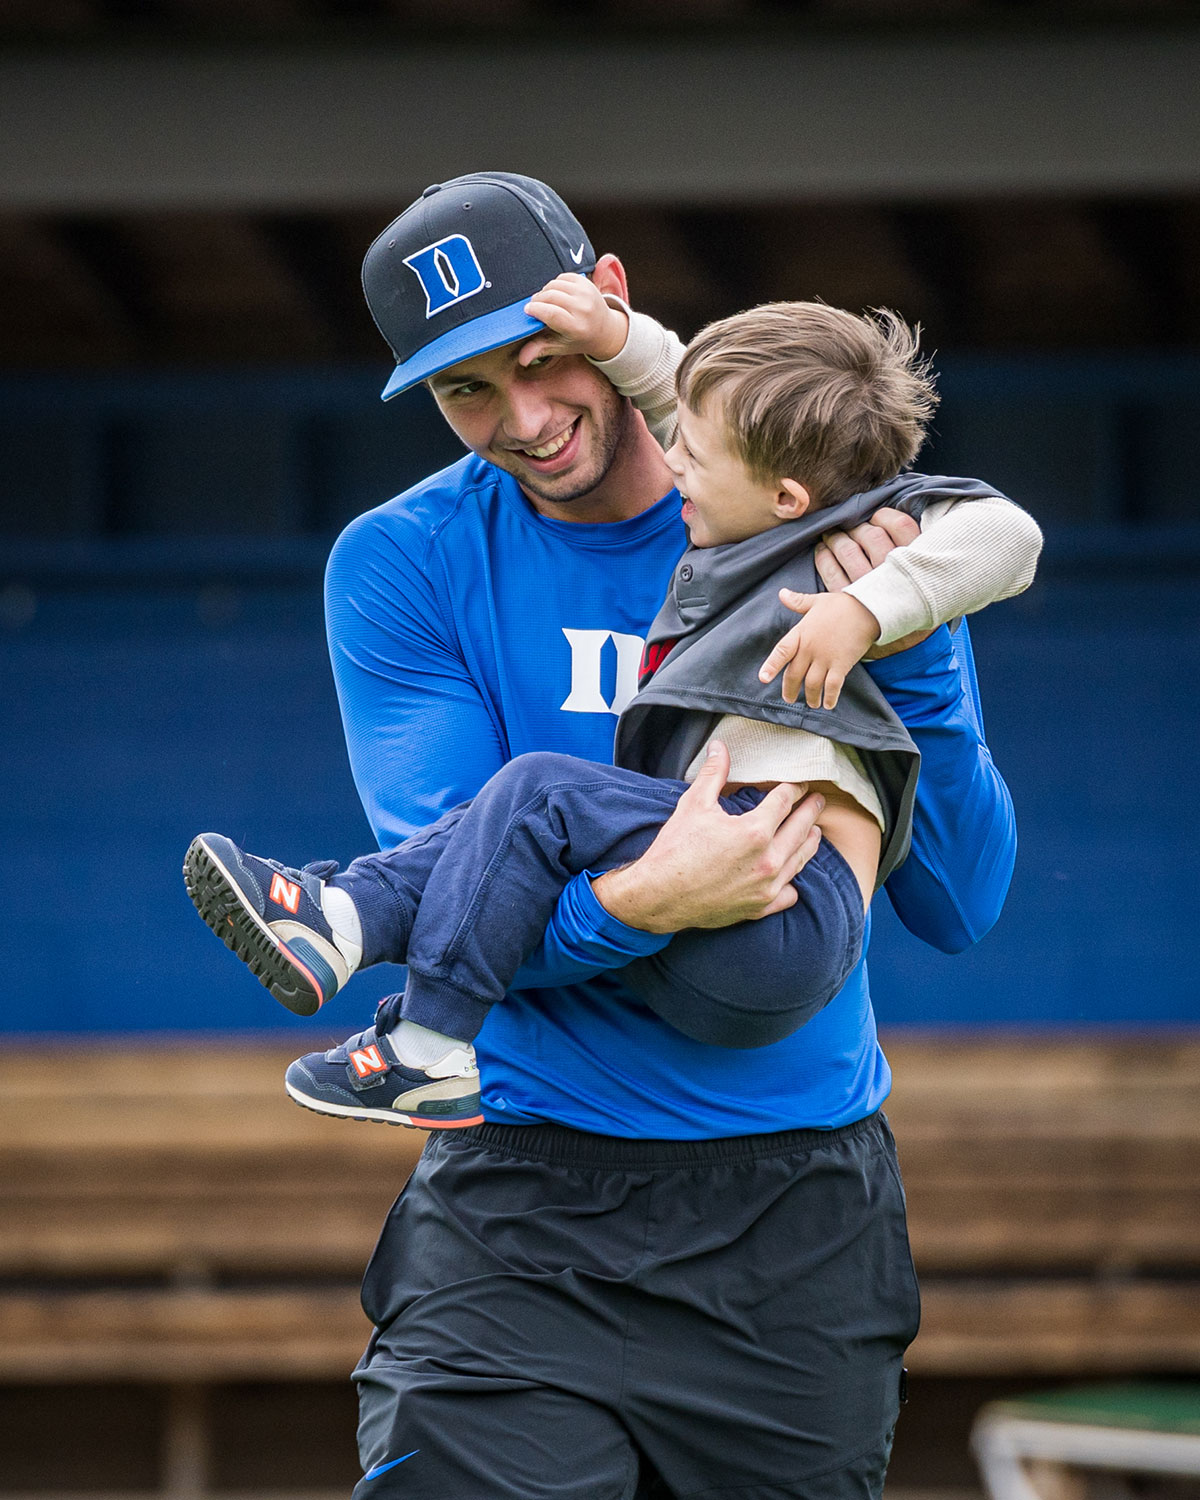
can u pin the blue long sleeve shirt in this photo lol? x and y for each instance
(464, 629)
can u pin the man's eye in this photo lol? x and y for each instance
(539, 362)
(468, 388)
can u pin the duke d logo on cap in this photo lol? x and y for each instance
(449, 271)
(451, 276)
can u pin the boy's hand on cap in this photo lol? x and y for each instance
(816, 655)
(580, 321)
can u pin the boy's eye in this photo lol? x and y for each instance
(540, 362)
(468, 388)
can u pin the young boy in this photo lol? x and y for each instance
(794, 419)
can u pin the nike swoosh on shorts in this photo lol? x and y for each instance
(383, 1468)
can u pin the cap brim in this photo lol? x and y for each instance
(504, 326)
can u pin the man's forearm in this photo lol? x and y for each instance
(636, 897)
(584, 939)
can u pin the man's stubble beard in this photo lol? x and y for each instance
(614, 426)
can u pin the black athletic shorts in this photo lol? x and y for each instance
(562, 1316)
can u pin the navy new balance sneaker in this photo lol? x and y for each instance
(363, 1079)
(270, 915)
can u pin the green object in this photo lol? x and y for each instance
(1147, 1407)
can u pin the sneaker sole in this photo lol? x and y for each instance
(377, 1116)
(216, 896)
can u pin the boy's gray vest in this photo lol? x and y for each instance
(720, 619)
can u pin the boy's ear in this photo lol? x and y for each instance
(610, 277)
(792, 500)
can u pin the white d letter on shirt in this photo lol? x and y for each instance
(586, 696)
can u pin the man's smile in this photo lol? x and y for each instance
(555, 453)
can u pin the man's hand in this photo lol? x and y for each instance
(844, 556)
(710, 868)
(574, 310)
(815, 655)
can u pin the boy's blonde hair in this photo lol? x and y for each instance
(837, 402)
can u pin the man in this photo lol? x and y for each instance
(657, 1258)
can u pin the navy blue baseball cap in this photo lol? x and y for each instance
(450, 277)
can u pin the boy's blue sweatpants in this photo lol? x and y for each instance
(465, 901)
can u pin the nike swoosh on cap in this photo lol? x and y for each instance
(383, 1468)
(577, 255)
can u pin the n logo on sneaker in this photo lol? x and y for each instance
(285, 893)
(368, 1060)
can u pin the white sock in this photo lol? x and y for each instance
(419, 1047)
(342, 915)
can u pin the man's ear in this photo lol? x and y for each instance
(791, 500)
(610, 277)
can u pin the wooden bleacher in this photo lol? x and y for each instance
(178, 1221)
(1054, 1202)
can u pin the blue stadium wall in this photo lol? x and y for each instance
(153, 686)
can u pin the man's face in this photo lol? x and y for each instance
(553, 421)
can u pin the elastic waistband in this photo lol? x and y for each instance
(578, 1148)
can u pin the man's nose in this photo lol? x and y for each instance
(527, 414)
